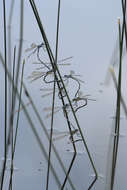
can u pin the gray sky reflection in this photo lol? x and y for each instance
(88, 32)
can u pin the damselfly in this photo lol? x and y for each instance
(78, 102)
(58, 135)
(50, 90)
(101, 176)
(57, 109)
(73, 76)
(81, 100)
(39, 74)
(78, 152)
(59, 63)
(14, 168)
(36, 48)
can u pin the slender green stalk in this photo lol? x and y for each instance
(53, 98)
(117, 121)
(66, 113)
(11, 11)
(12, 110)
(124, 28)
(51, 133)
(59, 3)
(12, 104)
(5, 114)
(116, 87)
(10, 132)
(20, 45)
(17, 125)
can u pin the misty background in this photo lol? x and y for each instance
(88, 33)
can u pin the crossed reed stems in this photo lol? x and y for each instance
(13, 77)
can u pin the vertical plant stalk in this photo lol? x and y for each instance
(117, 121)
(56, 68)
(33, 128)
(124, 27)
(5, 113)
(11, 11)
(68, 122)
(9, 32)
(19, 54)
(17, 125)
(20, 45)
(62, 99)
(12, 103)
(10, 132)
(51, 133)
(53, 99)
(123, 104)
(12, 111)
(9, 67)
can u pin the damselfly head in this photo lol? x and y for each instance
(32, 46)
(80, 93)
(72, 72)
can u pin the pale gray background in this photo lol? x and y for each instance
(88, 32)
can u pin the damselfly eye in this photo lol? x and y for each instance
(72, 72)
(80, 93)
(33, 45)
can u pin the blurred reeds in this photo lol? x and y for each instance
(14, 74)
(114, 146)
